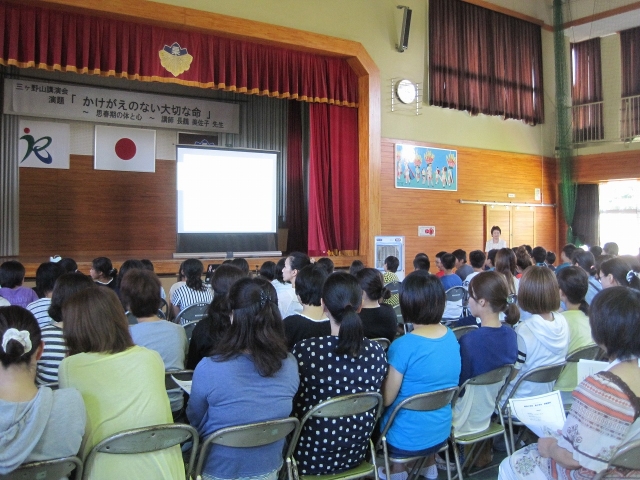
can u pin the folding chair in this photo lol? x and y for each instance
(461, 331)
(590, 352)
(244, 436)
(341, 406)
(546, 374)
(192, 313)
(131, 318)
(407, 327)
(145, 440)
(188, 329)
(627, 456)
(170, 384)
(423, 402)
(497, 379)
(456, 298)
(53, 469)
(164, 309)
(384, 342)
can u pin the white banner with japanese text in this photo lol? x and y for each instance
(133, 109)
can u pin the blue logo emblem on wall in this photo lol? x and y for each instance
(36, 146)
(175, 59)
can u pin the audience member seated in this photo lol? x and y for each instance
(462, 269)
(485, 349)
(523, 261)
(618, 272)
(565, 256)
(312, 321)
(605, 407)
(356, 266)
(574, 284)
(421, 262)
(543, 338)
(285, 291)
(267, 271)
(208, 332)
(242, 264)
(126, 266)
(596, 250)
(340, 364)
(140, 293)
(550, 259)
(495, 242)
(180, 281)
(122, 385)
(425, 360)
(249, 378)
(327, 264)
(610, 248)
(11, 289)
(379, 320)
(440, 272)
(391, 265)
(148, 265)
(194, 291)
(295, 262)
(68, 264)
(36, 423)
(449, 279)
(587, 262)
(55, 348)
(505, 263)
(490, 263)
(477, 259)
(46, 276)
(539, 255)
(103, 273)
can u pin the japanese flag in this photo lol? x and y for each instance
(125, 149)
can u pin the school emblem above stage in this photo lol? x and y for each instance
(175, 59)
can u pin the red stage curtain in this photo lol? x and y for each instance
(70, 42)
(334, 214)
(482, 61)
(296, 211)
(586, 91)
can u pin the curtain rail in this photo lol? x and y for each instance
(509, 204)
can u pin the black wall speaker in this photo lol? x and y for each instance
(406, 25)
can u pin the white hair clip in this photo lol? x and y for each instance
(631, 274)
(20, 336)
(512, 298)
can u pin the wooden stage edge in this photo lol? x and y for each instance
(164, 264)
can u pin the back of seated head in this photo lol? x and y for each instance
(574, 283)
(610, 248)
(355, 267)
(614, 316)
(528, 249)
(596, 250)
(94, 322)
(493, 288)
(46, 277)
(523, 260)
(477, 258)
(20, 347)
(392, 263)
(491, 256)
(11, 274)
(68, 264)
(448, 261)
(623, 270)
(460, 255)
(372, 283)
(223, 277)
(551, 257)
(325, 263)
(505, 261)
(422, 298)
(66, 286)
(242, 264)
(103, 265)
(129, 265)
(538, 291)
(140, 292)
(585, 261)
(342, 298)
(421, 263)
(539, 254)
(440, 254)
(268, 270)
(279, 267)
(568, 250)
(192, 270)
(298, 260)
(147, 264)
(309, 283)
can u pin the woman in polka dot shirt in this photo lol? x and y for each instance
(340, 364)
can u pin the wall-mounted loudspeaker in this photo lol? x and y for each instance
(406, 25)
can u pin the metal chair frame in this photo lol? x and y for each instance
(421, 402)
(145, 440)
(54, 469)
(340, 406)
(407, 327)
(192, 313)
(454, 295)
(384, 342)
(188, 329)
(164, 308)
(499, 375)
(590, 352)
(170, 384)
(545, 374)
(626, 456)
(249, 435)
(462, 331)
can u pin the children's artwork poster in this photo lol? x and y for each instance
(426, 168)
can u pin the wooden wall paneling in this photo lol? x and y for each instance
(483, 175)
(606, 166)
(523, 226)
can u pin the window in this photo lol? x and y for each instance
(620, 215)
(630, 113)
(485, 62)
(586, 91)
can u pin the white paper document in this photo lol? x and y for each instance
(183, 384)
(543, 414)
(589, 367)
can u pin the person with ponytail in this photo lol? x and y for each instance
(194, 291)
(587, 262)
(378, 319)
(103, 273)
(425, 360)
(36, 423)
(485, 349)
(505, 264)
(573, 283)
(618, 271)
(248, 378)
(339, 364)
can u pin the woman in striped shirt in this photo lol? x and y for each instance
(194, 291)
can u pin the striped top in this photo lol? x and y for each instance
(184, 296)
(40, 310)
(55, 350)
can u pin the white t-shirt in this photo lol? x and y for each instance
(495, 246)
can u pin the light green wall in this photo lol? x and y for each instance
(375, 24)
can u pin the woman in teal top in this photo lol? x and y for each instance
(425, 360)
